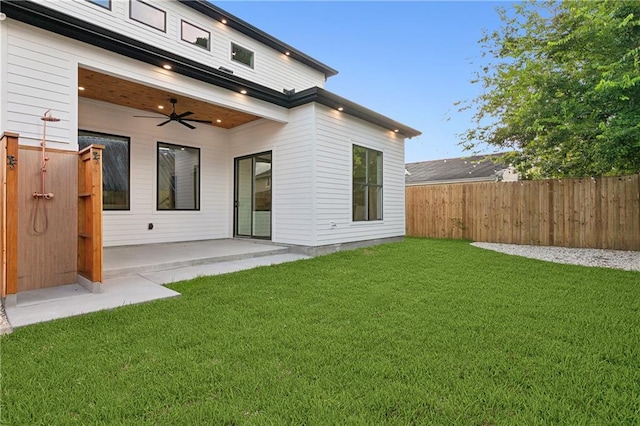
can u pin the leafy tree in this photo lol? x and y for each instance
(561, 88)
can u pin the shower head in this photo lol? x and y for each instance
(48, 117)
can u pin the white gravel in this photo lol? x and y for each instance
(618, 259)
(5, 327)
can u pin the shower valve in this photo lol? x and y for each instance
(47, 196)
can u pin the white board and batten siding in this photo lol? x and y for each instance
(292, 176)
(129, 227)
(42, 71)
(336, 133)
(271, 68)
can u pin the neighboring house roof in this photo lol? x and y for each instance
(87, 32)
(475, 168)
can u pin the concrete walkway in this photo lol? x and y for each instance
(70, 300)
(140, 259)
(65, 301)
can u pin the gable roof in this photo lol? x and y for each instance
(461, 169)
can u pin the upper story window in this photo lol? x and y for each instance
(102, 3)
(195, 35)
(147, 14)
(242, 55)
(367, 184)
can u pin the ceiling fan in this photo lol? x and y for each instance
(176, 117)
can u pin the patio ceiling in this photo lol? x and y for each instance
(106, 88)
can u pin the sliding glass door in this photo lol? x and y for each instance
(252, 196)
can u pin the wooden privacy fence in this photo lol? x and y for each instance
(598, 213)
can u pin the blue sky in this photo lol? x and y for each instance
(408, 60)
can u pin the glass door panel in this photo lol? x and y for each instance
(244, 179)
(253, 196)
(262, 196)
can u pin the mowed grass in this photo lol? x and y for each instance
(420, 332)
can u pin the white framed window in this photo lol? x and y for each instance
(242, 55)
(149, 15)
(367, 184)
(195, 35)
(102, 3)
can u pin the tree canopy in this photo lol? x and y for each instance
(561, 89)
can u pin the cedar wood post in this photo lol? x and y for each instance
(9, 203)
(90, 213)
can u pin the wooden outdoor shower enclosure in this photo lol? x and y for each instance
(588, 212)
(49, 242)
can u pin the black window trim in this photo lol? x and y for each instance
(164, 12)
(158, 176)
(95, 2)
(253, 57)
(235, 193)
(128, 138)
(367, 185)
(183, 21)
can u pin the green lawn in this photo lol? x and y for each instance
(420, 332)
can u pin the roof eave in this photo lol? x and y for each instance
(57, 22)
(51, 20)
(324, 97)
(247, 29)
(452, 181)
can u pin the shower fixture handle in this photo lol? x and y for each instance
(47, 196)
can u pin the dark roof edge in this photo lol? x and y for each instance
(51, 20)
(247, 29)
(324, 97)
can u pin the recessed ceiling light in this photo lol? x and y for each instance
(166, 66)
(218, 121)
(244, 92)
(287, 53)
(224, 21)
(396, 130)
(80, 88)
(160, 107)
(340, 109)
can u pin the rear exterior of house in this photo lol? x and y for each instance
(265, 151)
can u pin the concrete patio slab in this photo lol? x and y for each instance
(70, 300)
(147, 258)
(65, 301)
(180, 274)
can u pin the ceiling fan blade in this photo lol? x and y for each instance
(153, 111)
(186, 124)
(164, 122)
(197, 121)
(184, 114)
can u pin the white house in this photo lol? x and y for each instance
(251, 144)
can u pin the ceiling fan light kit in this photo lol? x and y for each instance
(174, 116)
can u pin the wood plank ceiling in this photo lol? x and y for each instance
(103, 87)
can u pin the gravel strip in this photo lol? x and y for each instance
(5, 327)
(617, 259)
